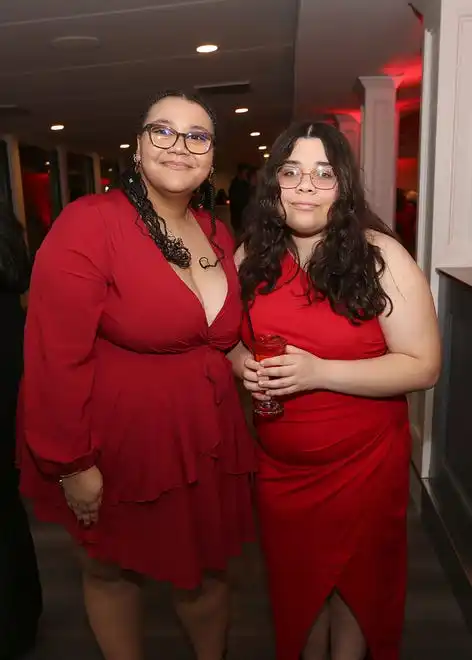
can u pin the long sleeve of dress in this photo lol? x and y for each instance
(67, 294)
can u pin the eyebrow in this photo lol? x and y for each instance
(324, 163)
(167, 122)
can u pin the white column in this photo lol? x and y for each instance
(97, 173)
(379, 148)
(445, 188)
(16, 180)
(63, 174)
(351, 127)
(421, 403)
(445, 218)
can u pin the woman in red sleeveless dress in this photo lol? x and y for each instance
(320, 269)
(135, 440)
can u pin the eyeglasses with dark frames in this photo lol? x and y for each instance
(165, 137)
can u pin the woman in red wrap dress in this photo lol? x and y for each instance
(321, 270)
(135, 440)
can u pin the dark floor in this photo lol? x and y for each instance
(434, 629)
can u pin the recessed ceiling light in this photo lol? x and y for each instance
(124, 146)
(47, 163)
(262, 147)
(255, 134)
(57, 127)
(207, 48)
(110, 169)
(241, 111)
(266, 155)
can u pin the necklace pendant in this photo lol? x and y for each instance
(205, 263)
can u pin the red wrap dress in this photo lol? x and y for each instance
(122, 371)
(332, 484)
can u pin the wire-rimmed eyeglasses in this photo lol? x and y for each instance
(165, 137)
(291, 176)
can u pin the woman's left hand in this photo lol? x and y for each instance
(295, 371)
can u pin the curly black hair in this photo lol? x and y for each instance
(345, 267)
(134, 188)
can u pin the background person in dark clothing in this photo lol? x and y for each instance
(221, 197)
(405, 221)
(20, 589)
(253, 179)
(239, 193)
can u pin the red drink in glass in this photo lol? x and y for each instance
(267, 346)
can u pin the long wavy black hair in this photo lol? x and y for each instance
(345, 267)
(134, 188)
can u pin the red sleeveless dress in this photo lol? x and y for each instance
(333, 484)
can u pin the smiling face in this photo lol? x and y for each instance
(313, 187)
(175, 169)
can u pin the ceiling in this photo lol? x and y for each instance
(340, 40)
(299, 56)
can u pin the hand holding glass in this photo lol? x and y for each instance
(267, 346)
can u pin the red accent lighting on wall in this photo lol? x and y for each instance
(37, 193)
(354, 113)
(409, 70)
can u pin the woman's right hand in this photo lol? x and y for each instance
(251, 380)
(83, 492)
